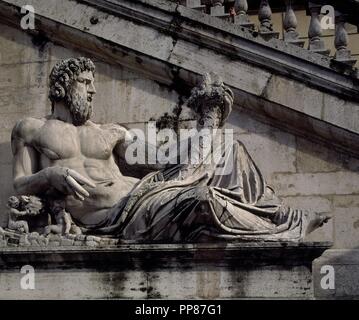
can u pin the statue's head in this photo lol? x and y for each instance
(212, 101)
(72, 81)
(13, 202)
(58, 206)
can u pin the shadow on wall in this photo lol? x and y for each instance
(6, 182)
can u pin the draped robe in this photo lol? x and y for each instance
(196, 204)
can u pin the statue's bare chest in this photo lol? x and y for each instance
(58, 141)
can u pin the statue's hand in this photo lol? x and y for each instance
(68, 182)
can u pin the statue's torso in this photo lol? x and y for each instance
(88, 149)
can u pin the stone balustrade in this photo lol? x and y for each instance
(236, 11)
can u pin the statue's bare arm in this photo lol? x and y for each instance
(125, 140)
(28, 178)
(16, 213)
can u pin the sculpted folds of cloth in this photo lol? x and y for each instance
(68, 159)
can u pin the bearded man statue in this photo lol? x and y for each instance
(66, 157)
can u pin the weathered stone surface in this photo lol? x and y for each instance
(92, 243)
(127, 97)
(307, 184)
(243, 123)
(6, 190)
(317, 204)
(273, 145)
(43, 241)
(34, 243)
(324, 233)
(313, 157)
(351, 201)
(71, 236)
(14, 239)
(341, 112)
(54, 237)
(345, 264)
(54, 243)
(164, 271)
(24, 240)
(346, 228)
(191, 57)
(93, 238)
(80, 237)
(66, 242)
(76, 284)
(297, 95)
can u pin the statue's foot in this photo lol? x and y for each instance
(317, 221)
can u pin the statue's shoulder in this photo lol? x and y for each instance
(112, 126)
(27, 127)
(115, 128)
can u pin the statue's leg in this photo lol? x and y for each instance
(21, 226)
(55, 229)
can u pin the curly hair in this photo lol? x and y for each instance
(13, 202)
(64, 73)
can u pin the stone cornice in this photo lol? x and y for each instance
(234, 41)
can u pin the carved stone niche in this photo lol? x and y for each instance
(172, 271)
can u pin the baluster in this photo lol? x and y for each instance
(341, 41)
(217, 9)
(316, 44)
(290, 25)
(196, 5)
(241, 17)
(265, 18)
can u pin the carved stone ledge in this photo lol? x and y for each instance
(168, 271)
(151, 256)
(11, 239)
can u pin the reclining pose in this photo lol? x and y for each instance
(67, 155)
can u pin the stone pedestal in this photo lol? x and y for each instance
(236, 270)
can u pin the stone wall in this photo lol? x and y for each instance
(305, 174)
(175, 271)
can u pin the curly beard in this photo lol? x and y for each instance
(80, 108)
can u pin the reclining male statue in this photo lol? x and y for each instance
(67, 157)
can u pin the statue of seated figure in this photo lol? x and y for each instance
(68, 157)
(64, 224)
(21, 207)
